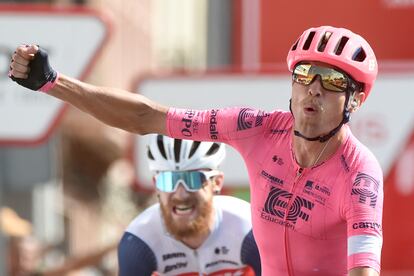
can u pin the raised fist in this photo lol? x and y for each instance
(30, 68)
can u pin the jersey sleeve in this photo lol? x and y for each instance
(250, 253)
(363, 212)
(236, 126)
(135, 257)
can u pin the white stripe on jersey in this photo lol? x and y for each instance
(364, 244)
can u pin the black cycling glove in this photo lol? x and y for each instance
(41, 76)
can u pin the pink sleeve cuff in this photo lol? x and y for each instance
(364, 260)
(49, 85)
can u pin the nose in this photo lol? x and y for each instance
(315, 87)
(181, 192)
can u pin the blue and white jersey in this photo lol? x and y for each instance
(146, 247)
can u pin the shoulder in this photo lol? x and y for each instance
(135, 257)
(233, 220)
(360, 158)
(233, 208)
(150, 218)
(363, 171)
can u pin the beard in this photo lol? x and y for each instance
(191, 228)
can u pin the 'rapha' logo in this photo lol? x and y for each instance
(248, 118)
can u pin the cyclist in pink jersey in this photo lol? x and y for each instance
(316, 191)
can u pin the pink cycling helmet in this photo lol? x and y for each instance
(338, 47)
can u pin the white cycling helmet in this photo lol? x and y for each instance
(168, 154)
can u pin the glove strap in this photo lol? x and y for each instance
(50, 84)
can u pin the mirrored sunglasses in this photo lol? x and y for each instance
(331, 79)
(168, 181)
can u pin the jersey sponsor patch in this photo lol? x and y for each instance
(190, 123)
(367, 225)
(213, 130)
(286, 206)
(318, 192)
(173, 255)
(271, 178)
(278, 160)
(177, 265)
(279, 131)
(365, 189)
(249, 118)
(221, 250)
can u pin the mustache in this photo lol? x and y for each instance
(188, 201)
(314, 103)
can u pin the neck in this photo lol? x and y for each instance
(195, 241)
(312, 153)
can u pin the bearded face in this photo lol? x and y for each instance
(186, 214)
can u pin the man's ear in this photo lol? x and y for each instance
(218, 181)
(361, 97)
(356, 101)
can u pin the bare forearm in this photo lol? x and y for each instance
(30, 68)
(115, 107)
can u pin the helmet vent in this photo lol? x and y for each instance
(324, 41)
(341, 45)
(213, 149)
(194, 148)
(161, 146)
(149, 154)
(308, 41)
(359, 55)
(177, 150)
(295, 45)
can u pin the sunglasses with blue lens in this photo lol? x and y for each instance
(168, 181)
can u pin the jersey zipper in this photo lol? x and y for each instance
(299, 174)
(198, 263)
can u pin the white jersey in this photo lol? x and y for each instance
(148, 249)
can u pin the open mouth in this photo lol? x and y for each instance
(311, 109)
(183, 209)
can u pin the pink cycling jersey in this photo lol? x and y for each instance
(323, 220)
